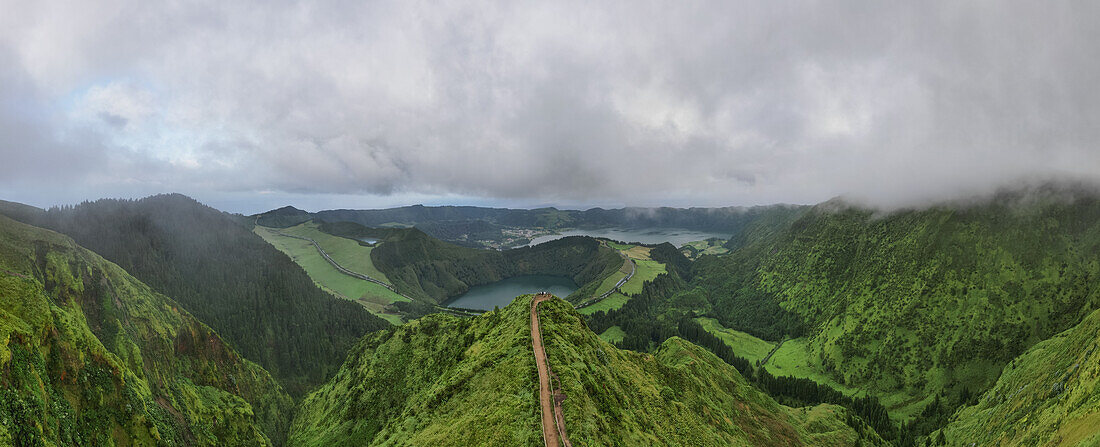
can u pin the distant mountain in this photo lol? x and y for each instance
(463, 224)
(255, 296)
(444, 380)
(91, 356)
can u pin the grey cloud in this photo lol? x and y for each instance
(630, 103)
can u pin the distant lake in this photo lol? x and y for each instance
(368, 240)
(675, 236)
(501, 293)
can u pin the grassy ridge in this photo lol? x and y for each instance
(439, 380)
(613, 301)
(914, 303)
(609, 282)
(680, 395)
(91, 356)
(646, 269)
(373, 297)
(1050, 395)
(442, 380)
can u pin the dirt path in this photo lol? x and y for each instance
(776, 348)
(553, 425)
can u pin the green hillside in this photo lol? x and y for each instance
(913, 303)
(442, 380)
(91, 356)
(374, 297)
(253, 295)
(439, 380)
(345, 251)
(1050, 395)
(429, 269)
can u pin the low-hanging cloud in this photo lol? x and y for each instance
(568, 102)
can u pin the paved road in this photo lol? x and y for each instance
(553, 424)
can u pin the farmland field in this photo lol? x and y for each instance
(344, 251)
(609, 282)
(744, 345)
(612, 302)
(372, 296)
(647, 270)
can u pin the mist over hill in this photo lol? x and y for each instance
(212, 264)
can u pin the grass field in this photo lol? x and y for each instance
(794, 359)
(613, 334)
(695, 249)
(346, 252)
(612, 302)
(618, 246)
(372, 296)
(744, 345)
(647, 270)
(613, 279)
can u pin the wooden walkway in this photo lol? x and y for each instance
(550, 396)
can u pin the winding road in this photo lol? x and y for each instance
(618, 285)
(550, 399)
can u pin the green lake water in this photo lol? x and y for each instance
(501, 293)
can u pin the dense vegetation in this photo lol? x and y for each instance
(440, 380)
(91, 356)
(649, 319)
(427, 268)
(1047, 396)
(679, 395)
(228, 277)
(443, 380)
(916, 303)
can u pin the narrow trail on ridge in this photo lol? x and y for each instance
(553, 423)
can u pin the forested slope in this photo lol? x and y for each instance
(255, 296)
(919, 302)
(443, 380)
(91, 356)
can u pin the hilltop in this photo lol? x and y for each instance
(444, 380)
(89, 355)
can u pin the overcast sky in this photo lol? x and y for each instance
(252, 105)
